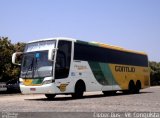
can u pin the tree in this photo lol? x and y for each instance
(7, 69)
(6, 50)
(155, 73)
(18, 47)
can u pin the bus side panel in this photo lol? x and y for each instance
(83, 71)
(104, 76)
(80, 70)
(124, 73)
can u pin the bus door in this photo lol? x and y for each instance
(63, 61)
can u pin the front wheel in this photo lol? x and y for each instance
(50, 96)
(79, 90)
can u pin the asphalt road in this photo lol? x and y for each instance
(147, 101)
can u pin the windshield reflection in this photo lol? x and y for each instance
(36, 65)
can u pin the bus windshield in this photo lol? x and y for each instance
(36, 65)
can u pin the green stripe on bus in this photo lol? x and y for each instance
(88, 43)
(102, 73)
(107, 73)
(37, 81)
(98, 73)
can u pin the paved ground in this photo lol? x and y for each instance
(148, 100)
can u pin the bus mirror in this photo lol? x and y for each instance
(51, 54)
(16, 58)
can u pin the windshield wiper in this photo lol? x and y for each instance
(30, 66)
(36, 67)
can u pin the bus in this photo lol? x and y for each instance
(68, 66)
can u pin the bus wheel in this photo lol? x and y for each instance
(138, 86)
(132, 87)
(79, 89)
(106, 93)
(50, 96)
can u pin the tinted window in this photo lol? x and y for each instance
(63, 59)
(93, 53)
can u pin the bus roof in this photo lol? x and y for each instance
(111, 47)
(116, 48)
(91, 43)
(55, 38)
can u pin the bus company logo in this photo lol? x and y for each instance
(62, 87)
(80, 67)
(124, 69)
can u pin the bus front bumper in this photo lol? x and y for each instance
(42, 89)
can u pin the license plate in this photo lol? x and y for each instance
(33, 89)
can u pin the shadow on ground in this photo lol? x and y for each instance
(68, 97)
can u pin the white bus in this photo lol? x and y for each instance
(68, 66)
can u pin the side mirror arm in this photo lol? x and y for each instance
(14, 57)
(51, 54)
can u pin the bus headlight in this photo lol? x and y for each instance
(21, 81)
(47, 81)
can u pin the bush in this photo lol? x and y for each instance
(8, 71)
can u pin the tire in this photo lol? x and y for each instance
(50, 96)
(138, 86)
(79, 90)
(132, 87)
(106, 93)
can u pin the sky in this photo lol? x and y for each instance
(132, 24)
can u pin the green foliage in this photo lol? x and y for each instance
(7, 69)
(155, 73)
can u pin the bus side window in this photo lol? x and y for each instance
(63, 60)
